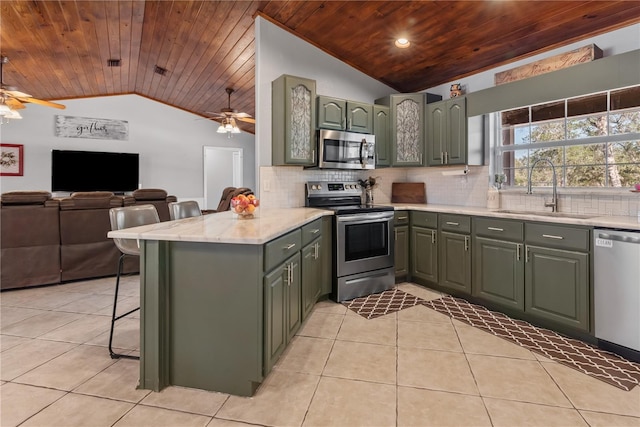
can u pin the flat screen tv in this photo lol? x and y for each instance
(94, 171)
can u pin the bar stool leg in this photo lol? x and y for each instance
(114, 317)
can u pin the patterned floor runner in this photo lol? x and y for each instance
(386, 302)
(576, 354)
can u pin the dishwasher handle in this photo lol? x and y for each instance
(618, 237)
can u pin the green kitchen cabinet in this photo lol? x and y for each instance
(446, 139)
(293, 116)
(401, 248)
(344, 115)
(498, 261)
(282, 305)
(311, 275)
(557, 282)
(454, 249)
(406, 112)
(424, 247)
(381, 129)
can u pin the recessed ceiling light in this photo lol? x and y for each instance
(402, 43)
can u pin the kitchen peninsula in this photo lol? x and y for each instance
(202, 322)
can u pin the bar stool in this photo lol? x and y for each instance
(127, 217)
(186, 209)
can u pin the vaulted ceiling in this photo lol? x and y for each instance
(61, 49)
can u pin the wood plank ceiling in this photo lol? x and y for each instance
(60, 49)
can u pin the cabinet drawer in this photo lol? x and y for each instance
(311, 231)
(500, 229)
(281, 248)
(400, 218)
(455, 223)
(424, 219)
(557, 236)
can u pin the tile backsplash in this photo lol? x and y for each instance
(283, 186)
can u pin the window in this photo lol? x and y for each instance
(593, 141)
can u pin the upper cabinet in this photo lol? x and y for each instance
(293, 121)
(340, 114)
(406, 113)
(447, 132)
(382, 134)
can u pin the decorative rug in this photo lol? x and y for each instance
(600, 364)
(386, 302)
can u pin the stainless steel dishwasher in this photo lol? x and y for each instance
(617, 290)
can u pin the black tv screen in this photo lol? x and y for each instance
(93, 171)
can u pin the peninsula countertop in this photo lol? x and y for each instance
(226, 227)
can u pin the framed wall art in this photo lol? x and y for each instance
(11, 159)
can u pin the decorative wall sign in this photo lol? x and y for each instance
(563, 60)
(11, 159)
(86, 127)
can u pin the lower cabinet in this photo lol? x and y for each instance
(311, 275)
(282, 303)
(498, 272)
(455, 252)
(423, 246)
(557, 286)
(498, 261)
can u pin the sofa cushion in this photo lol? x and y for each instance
(25, 197)
(91, 200)
(149, 194)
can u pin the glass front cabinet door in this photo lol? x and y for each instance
(293, 121)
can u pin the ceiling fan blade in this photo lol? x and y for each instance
(246, 119)
(14, 104)
(17, 93)
(41, 102)
(243, 115)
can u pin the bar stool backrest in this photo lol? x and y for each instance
(131, 216)
(186, 209)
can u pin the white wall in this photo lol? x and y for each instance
(170, 142)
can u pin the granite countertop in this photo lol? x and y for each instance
(226, 227)
(625, 222)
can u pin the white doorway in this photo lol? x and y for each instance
(222, 168)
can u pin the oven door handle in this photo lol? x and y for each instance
(369, 217)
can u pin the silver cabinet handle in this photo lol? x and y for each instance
(518, 246)
(495, 229)
(442, 158)
(316, 251)
(286, 248)
(526, 259)
(453, 223)
(433, 237)
(402, 218)
(551, 236)
(293, 266)
(315, 230)
(446, 157)
(466, 243)
(289, 275)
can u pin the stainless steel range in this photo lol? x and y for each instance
(363, 261)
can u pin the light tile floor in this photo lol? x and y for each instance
(415, 367)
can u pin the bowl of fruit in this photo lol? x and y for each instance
(244, 206)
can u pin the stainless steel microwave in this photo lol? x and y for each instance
(346, 150)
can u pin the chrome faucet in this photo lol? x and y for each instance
(554, 198)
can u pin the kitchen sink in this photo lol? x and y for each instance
(547, 214)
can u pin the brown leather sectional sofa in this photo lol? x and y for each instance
(45, 240)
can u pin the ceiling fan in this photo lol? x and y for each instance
(229, 115)
(14, 99)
